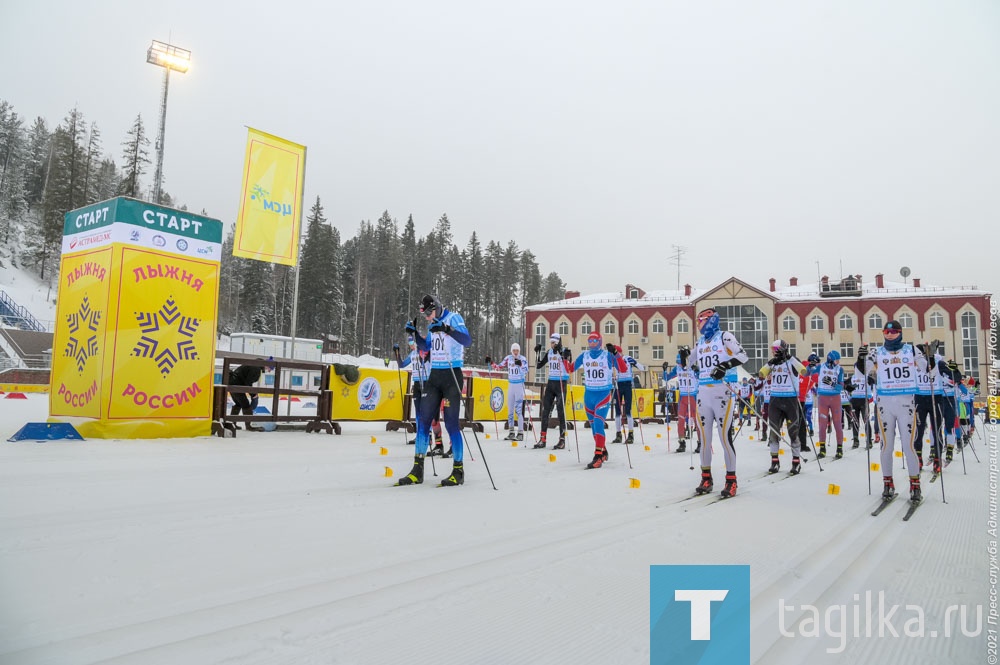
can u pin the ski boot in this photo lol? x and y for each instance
(437, 450)
(796, 466)
(447, 454)
(697, 448)
(840, 452)
(920, 460)
(520, 436)
(682, 446)
(412, 441)
(416, 474)
(618, 438)
(511, 436)
(600, 457)
(821, 447)
(705, 486)
(855, 444)
(561, 443)
(888, 488)
(629, 439)
(457, 476)
(937, 465)
(541, 442)
(915, 494)
(949, 453)
(730, 489)
(775, 465)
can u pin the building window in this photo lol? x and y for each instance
(633, 294)
(297, 380)
(268, 379)
(788, 323)
(657, 326)
(563, 328)
(633, 351)
(792, 351)
(905, 320)
(609, 328)
(937, 320)
(875, 322)
(586, 328)
(970, 343)
(541, 334)
(819, 350)
(683, 326)
(846, 350)
(633, 327)
(846, 322)
(657, 353)
(816, 322)
(749, 325)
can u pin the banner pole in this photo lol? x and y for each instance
(298, 263)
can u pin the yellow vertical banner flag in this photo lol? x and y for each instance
(267, 224)
(133, 352)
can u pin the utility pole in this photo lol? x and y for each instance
(675, 259)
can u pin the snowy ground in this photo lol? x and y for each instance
(291, 548)
(25, 289)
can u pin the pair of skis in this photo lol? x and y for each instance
(909, 511)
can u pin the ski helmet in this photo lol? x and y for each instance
(779, 346)
(833, 357)
(594, 340)
(431, 305)
(515, 347)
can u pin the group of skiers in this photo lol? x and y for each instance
(908, 385)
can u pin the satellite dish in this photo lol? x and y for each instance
(904, 272)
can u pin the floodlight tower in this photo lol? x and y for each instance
(170, 58)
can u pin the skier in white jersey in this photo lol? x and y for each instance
(716, 356)
(622, 398)
(895, 366)
(783, 370)
(446, 340)
(687, 391)
(557, 360)
(517, 370)
(831, 410)
(857, 386)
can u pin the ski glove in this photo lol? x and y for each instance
(610, 347)
(489, 361)
(683, 354)
(437, 325)
(718, 372)
(411, 326)
(538, 348)
(517, 361)
(567, 354)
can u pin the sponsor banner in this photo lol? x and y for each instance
(489, 402)
(574, 400)
(141, 224)
(643, 402)
(164, 343)
(374, 396)
(79, 344)
(23, 388)
(267, 224)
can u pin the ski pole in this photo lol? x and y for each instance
(464, 439)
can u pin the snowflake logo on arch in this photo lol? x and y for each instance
(167, 336)
(82, 322)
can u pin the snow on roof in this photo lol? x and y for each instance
(618, 299)
(869, 290)
(809, 291)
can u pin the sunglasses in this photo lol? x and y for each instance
(892, 331)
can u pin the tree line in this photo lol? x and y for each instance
(358, 291)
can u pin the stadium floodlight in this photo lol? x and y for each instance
(171, 58)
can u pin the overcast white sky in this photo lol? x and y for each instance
(764, 136)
